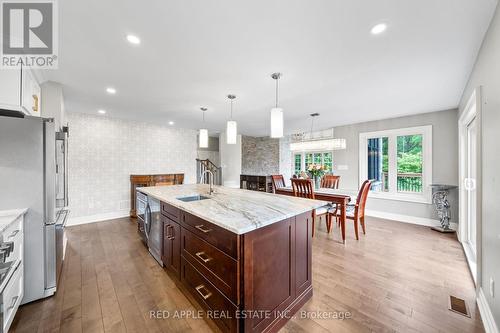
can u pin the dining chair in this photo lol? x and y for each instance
(278, 182)
(355, 211)
(304, 188)
(330, 181)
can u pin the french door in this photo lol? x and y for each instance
(470, 185)
(469, 130)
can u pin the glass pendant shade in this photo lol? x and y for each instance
(231, 132)
(276, 123)
(203, 138)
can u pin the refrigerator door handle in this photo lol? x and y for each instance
(49, 148)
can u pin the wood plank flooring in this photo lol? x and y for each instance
(396, 278)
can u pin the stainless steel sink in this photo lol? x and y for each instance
(197, 197)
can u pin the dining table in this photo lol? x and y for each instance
(339, 197)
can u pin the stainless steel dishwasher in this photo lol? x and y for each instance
(154, 228)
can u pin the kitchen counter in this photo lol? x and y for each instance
(236, 210)
(9, 216)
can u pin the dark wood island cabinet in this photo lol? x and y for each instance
(255, 281)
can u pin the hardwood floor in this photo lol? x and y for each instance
(397, 278)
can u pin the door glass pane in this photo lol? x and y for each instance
(328, 162)
(471, 175)
(309, 159)
(317, 158)
(378, 163)
(297, 163)
(410, 162)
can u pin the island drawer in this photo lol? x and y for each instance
(221, 238)
(219, 268)
(172, 212)
(222, 311)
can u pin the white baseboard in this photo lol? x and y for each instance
(97, 217)
(484, 309)
(407, 219)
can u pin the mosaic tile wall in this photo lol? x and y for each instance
(104, 151)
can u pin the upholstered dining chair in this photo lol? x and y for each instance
(278, 182)
(304, 188)
(356, 211)
(330, 181)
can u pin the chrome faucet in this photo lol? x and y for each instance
(210, 180)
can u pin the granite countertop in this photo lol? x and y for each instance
(236, 210)
(9, 216)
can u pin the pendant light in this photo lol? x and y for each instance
(231, 126)
(317, 143)
(276, 113)
(203, 137)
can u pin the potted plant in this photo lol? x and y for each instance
(316, 171)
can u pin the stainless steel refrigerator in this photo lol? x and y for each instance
(28, 179)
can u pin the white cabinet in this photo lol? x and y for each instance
(31, 94)
(10, 89)
(12, 282)
(20, 91)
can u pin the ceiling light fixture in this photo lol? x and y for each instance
(132, 39)
(315, 143)
(231, 126)
(111, 90)
(101, 111)
(379, 28)
(276, 113)
(203, 136)
(171, 123)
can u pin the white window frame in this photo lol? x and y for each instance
(303, 158)
(393, 194)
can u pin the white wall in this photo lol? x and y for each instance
(486, 74)
(230, 160)
(104, 151)
(286, 159)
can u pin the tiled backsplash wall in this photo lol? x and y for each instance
(260, 156)
(104, 151)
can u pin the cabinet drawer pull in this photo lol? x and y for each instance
(202, 229)
(13, 303)
(14, 233)
(35, 103)
(171, 235)
(203, 256)
(204, 295)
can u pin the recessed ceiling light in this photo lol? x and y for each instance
(111, 90)
(379, 28)
(101, 111)
(133, 39)
(171, 123)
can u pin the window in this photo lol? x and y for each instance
(301, 161)
(297, 164)
(378, 163)
(399, 163)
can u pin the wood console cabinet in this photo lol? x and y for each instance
(237, 276)
(256, 183)
(151, 180)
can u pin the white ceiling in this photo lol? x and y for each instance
(194, 52)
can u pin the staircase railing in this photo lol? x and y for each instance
(202, 166)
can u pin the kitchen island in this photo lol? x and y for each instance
(245, 256)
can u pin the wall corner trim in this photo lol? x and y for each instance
(407, 219)
(489, 323)
(97, 217)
